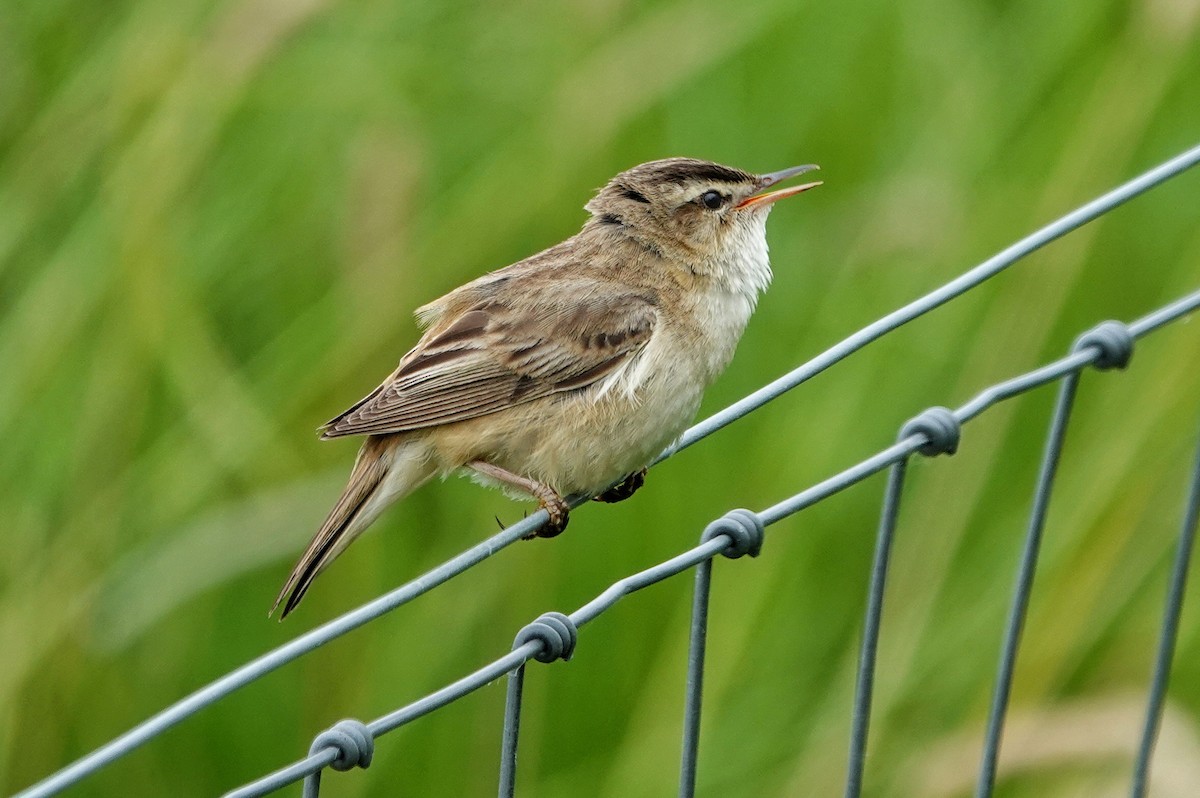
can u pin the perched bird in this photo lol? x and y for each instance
(565, 372)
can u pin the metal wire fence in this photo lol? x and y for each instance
(553, 636)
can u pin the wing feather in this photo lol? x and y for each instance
(498, 354)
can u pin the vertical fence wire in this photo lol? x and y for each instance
(865, 679)
(512, 730)
(741, 531)
(697, 641)
(1168, 635)
(1024, 585)
(934, 432)
(555, 635)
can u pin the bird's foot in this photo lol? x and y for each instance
(559, 513)
(623, 489)
(546, 496)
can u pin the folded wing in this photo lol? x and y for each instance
(498, 354)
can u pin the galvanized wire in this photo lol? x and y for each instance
(255, 669)
(1111, 345)
(694, 683)
(1168, 634)
(317, 761)
(746, 530)
(864, 681)
(910, 444)
(511, 732)
(940, 428)
(1106, 346)
(1024, 585)
(729, 535)
(558, 635)
(493, 670)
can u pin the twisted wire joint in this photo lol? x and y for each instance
(743, 528)
(940, 428)
(1114, 342)
(555, 631)
(353, 741)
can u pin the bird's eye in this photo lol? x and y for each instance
(712, 200)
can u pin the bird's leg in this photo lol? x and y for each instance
(546, 496)
(623, 489)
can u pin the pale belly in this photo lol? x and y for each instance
(577, 443)
(611, 440)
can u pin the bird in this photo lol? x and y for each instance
(566, 373)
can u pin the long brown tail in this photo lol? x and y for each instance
(386, 470)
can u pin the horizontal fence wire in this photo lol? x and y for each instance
(737, 533)
(276, 658)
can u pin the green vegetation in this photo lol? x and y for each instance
(215, 218)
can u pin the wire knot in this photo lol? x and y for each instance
(744, 529)
(1112, 340)
(354, 743)
(940, 428)
(555, 631)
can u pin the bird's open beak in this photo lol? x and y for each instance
(768, 180)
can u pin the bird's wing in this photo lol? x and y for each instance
(498, 354)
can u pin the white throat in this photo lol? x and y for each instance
(743, 266)
(740, 273)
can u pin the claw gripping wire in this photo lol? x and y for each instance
(941, 430)
(354, 743)
(555, 631)
(1113, 340)
(744, 529)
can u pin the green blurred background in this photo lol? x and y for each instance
(217, 215)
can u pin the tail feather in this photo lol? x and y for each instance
(384, 471)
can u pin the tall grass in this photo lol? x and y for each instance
(215, 218)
